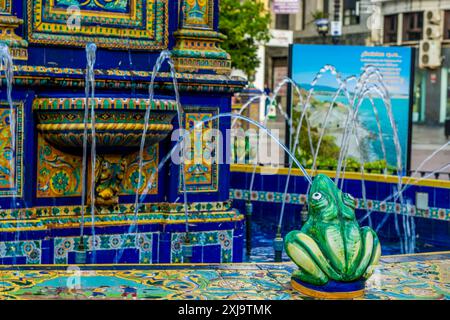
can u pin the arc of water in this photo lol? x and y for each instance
(322, 71)
(355, 133)
(165, 55)
(91, 49)
(345, 143)
(199, 124)
(159, 61)
(342, 87)
(284, 114)
(233, 115)
(408, 222)
(435, 152)
(367, 95)
(359, 92)
(380, 225)
(359, 96)
(180, 113)
(380, 133)
(288, 120)
(407, 185)
(286, 80)
(383, 92)
(162, 57)
(89, 108)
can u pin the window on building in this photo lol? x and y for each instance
(282, 21)
(412, 26)
(390, 28)
(303, 14)
(326, 5)
(447, 25)
(351, 12)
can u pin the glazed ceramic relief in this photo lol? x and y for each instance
(201, 168)
(131, 24)
(11, 172)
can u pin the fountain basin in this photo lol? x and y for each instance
(119, 123)
(332, 290)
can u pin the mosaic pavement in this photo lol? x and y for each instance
(421, 276)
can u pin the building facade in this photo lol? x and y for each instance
(424, 25)
(369, 22)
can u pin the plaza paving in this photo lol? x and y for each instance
(425, 140)
(420, 276)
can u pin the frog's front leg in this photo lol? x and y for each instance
(306, 254)
(371, 252)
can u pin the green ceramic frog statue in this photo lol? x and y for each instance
(331, 246)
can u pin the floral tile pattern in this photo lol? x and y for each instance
(374, 205)
(427, 279)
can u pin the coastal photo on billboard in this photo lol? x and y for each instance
(372, 142)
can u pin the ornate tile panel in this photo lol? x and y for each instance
(5, 6)
(31, 250)
(11, 175)
(224, 238)
(201, 168)
(134, 24)
(198, 14)
(142, 242)
(59, 173)
(131, 176)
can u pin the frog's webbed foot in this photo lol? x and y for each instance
(306, 254)
(371, 252)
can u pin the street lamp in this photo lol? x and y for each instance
(322, 27)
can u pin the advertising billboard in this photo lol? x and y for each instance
(373, 141)
(285, 6)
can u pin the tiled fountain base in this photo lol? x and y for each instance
(423, 276)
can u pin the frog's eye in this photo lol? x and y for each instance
(349, 200)
(318, 201)
(316, 196)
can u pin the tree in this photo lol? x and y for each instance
(246, 25)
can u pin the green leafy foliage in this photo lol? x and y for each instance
(246, 24)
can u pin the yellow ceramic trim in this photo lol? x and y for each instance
(326, 295)
(120, 223)
(104, 126)
(164, 83)
(416, 254)
(248, 168)
(23, 229)
(159, 221)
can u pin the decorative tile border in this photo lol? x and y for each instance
(224, 238)
(54, 221)
(374, 205)
(102, 103)
(197, 14)
(25, 75)
(31, 250)
(142, 241)
(121, 209)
